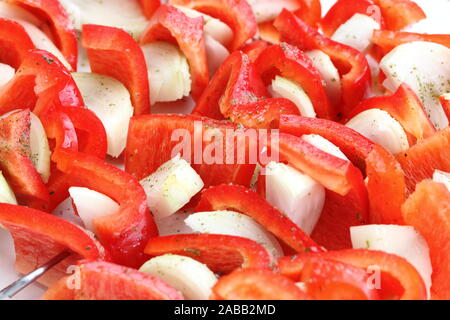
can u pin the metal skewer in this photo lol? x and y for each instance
(20, 284)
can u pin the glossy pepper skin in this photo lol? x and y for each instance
(237, 14)
(14, 43)
(433, 199)
(149, 7)
(291, 63)
(351, 64)
(114, 52)
(54, 14)
(40, 83)
(237, 93)
(343, 10)
(155, 139)
(100, 280)
(170, 24)
(380, 166)
(405, 107)
(257, 284)
(123, 233)
(248, 202)
(221, 253)
(15, 162)
(39, 236)
(398, 14)
(398, 278)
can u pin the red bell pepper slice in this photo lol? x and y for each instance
(152, 138)
(125, 232)
(15, 160)
(398, 14)
(253, 49)
(256, 284)
(248, 202)
(149, 7)
(221, 253)
(237, 93)
(101, 280)
(327, 279)
(54, 14)
(14, 43)
(398, 278)
(40, 83)
(352, 64)
(384, 172)
(405, 107)
(114, 52)
(445, 102)
(170, 24)
(343, 10)
(427, 210)
(291, 63)
(420, 161)
(388, 40)
(237, 14)
(39, 236)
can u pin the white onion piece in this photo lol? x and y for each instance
(442, 177)
(6, 73)
(40, 150)
(323, 144)
(6, 193)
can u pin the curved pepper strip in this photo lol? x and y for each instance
(221, 253)
(125, 232)
(405, 107)
(445, 102)
(428, 211)
(153, 138)
(114, 52)
(171, 24)
(291, 63)
(248, 202)
(384, 172)
(398, 14)
(14, 43)
(15, 162)
(101, 280)
(343, 10)
(388, 40)
(327, 279)
(237, 93)
(420, 161)
(53, 13)
(39, 236)
(237, 14)
(256, 284)
(40, 83)
(149, 7)
(352, 64)
(399, 279)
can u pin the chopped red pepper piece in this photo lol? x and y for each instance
(15, 163)
(253, 49)
(256, 284)
(397, 278)
(149, 7)
(237, 14)
(291, 63)
(388, 40)
(152, 140)
(39, 236)
(398, 14)
(428, 211)
(170, 24)
(114, 52)
(405, 107)
(352, 64)
(125, 232)
(420, 161)
(40, 83)
(221, 253)
(14, 43)
(327, 279)
(445, 102)
(309, 11)
(53, 13)
(248, 202)
(107, 281)
(343, 10)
